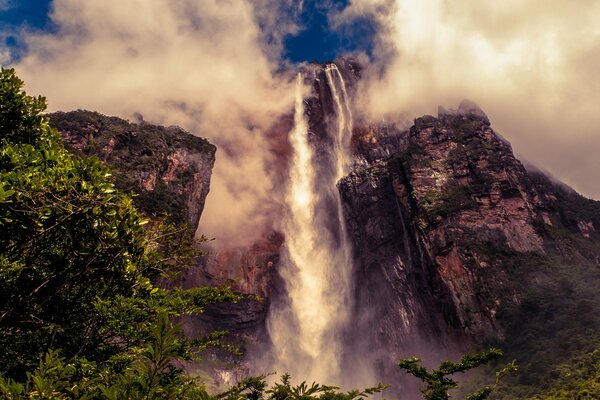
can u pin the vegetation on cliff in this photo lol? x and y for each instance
(81, 317)
(156, 164)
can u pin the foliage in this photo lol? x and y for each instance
(255, 388)
(438, 381)
(579, 380)
(452, 198)
(67, 237)
(77, 272)
(547, 312)
(144, 372)
(174, 247)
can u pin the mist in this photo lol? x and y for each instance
(531, 65)
(204, 66)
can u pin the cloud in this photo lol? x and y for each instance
(531, 65)
(277, 19)
(202, 65)
(5, 55)
(6, 5)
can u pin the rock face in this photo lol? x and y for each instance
(449, 229)
(248, 270)
(168, 168)
(415, 216)
(435, 225)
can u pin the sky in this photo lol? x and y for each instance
(314, 42)
(31, 12)
(214, 68)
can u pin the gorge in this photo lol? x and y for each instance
(394, 239)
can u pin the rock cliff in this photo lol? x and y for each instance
(167, 168)
(169, 171)
(448, 228)
(455, 242)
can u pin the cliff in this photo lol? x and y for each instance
(455, 240)
(456, 244)
(167, 168)
(168, 171)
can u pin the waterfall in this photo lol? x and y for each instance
(316, 263)
(344, 118)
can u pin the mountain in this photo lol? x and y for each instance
(456, 238)
(168, 169)
(455, 244)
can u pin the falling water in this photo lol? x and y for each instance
(342, 156)
(316, 263)
(344, 118)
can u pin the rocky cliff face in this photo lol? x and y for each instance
(446, 228)
(168, 168)
(169, 171)
(416, 216)
(453, 237)
(248, 270)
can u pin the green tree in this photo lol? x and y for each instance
(255, 388)
(76, 265)
(438, 382)
(67, 238)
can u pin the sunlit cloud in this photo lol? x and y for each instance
(531, 65)
(201, 65)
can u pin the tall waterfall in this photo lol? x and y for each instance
(344, 117)
(316, 264)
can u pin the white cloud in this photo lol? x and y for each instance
(199, 64)
(531, 65)
(5, 56)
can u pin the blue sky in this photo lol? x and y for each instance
(314, 42)
(317, 42)
(17, 14)
(31, 12)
